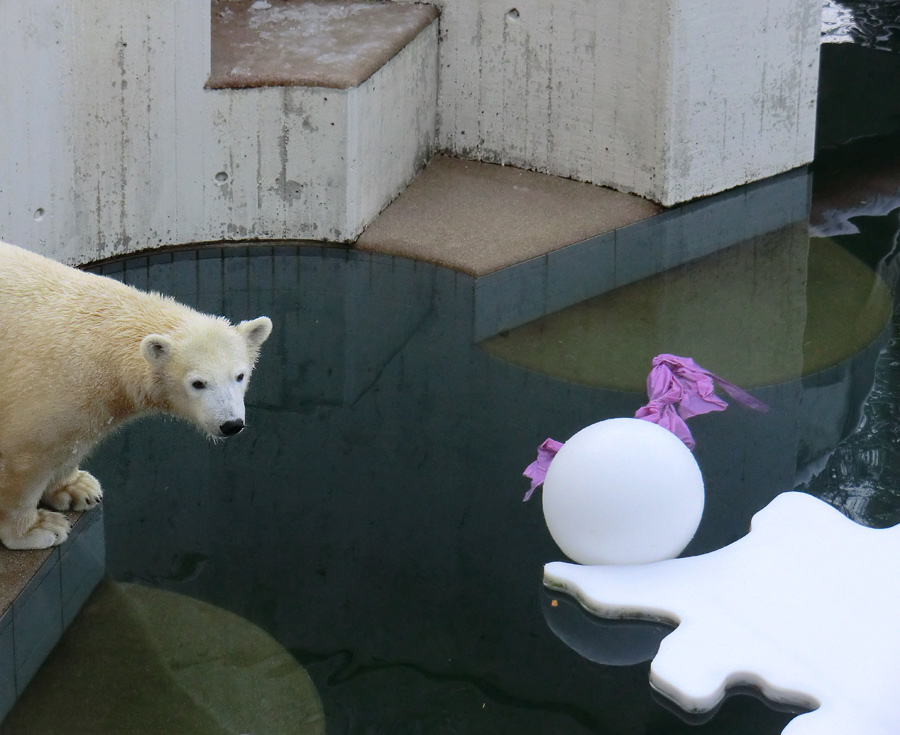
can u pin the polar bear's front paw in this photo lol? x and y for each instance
(80, 491)
(46, 529)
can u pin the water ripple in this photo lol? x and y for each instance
(863, 22)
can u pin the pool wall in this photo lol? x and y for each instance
(111, 144)
(40, 594)
(227, 280)
(385, 460)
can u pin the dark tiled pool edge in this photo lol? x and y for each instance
(521, 293)
(47, 603)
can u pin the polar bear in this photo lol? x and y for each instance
(80, 355)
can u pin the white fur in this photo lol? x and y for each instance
(81, 354)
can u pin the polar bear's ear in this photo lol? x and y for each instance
(156, 348)
(256, 331)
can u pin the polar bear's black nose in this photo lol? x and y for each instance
(230, 428)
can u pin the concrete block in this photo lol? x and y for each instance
(318, 162)
(671, 100)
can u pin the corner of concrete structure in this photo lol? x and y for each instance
(751, 114)
(383, 158)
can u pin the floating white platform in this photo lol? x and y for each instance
(803, 608)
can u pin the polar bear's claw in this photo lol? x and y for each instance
(80, 491)
(49, 529)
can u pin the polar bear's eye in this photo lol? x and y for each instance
(198, 385)
(240, 378)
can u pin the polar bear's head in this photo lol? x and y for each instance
(202, 371)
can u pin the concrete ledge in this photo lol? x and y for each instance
(479, 218)
(312, 43)
(314, 162)
(534, 243)
(40, 593)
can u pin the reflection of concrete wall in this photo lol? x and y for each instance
(762, 317)
(524, 292)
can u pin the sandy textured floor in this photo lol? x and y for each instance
(479, 217)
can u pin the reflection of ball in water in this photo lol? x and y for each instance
(623, 491)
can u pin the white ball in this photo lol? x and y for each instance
(623, 491)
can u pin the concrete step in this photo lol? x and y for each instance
(349, 92)
(536, 243)
(308, 43)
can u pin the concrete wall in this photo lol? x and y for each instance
(36, 119)
(109, 142)
(671, 99)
